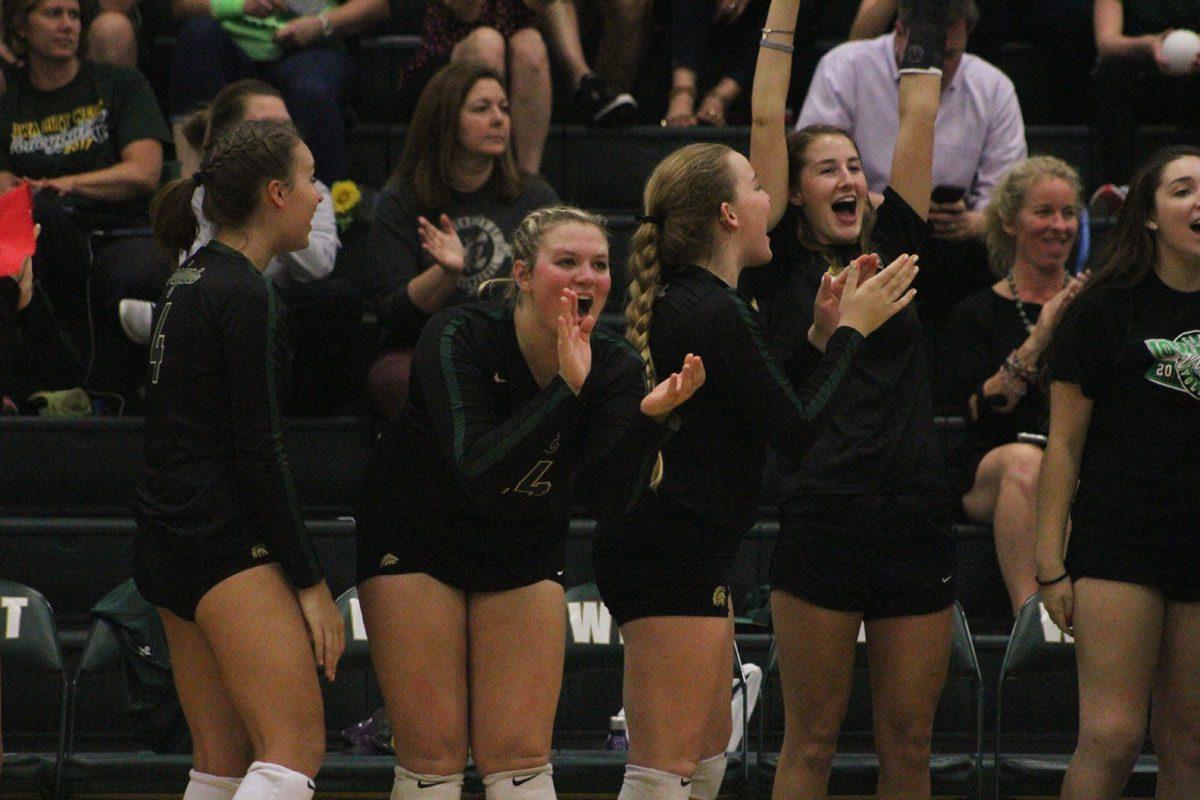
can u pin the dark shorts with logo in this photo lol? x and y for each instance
(390, 548)
(880, 556)
(646, 566)
(174, 572)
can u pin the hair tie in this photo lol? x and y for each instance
(650, 219)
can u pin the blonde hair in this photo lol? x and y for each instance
(681, 201)
(1008, 198)
(528, 236)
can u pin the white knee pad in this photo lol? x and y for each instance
(412, 786)
(520, 784)
(202, 786)
(265, 781)
(706, 780)
(644, 783)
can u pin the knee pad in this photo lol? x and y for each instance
(202, 786)
(266, 781)
(412, 786)
(706, 780)
(644, 783)
(520, 784)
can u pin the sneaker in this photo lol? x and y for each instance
(598, 102)
(1107, 201)
(136, 318)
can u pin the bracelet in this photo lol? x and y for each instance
(768, 31)
(783, 48)
(227, 9)
(1016, 367)
(1059, 579)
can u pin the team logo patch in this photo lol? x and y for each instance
(259, 551)
(1176, 363)
(388, 560)
(721, 597)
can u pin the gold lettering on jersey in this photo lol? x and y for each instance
(532, 484)
(553, 448)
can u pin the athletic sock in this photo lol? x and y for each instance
(202, 786)
(706, 780)
(644, 783)
(413, 786)
(266, 781)
(535, 783)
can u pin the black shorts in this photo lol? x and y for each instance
(385, 549)
(174, 572)
(1165, 560)
(650, 566)
(878, 555)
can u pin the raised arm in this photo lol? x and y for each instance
(768, 136)
(920, 93)
(872, 18)
(1108, 20)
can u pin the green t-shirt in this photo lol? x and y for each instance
(80, 127)
(254, 34)
(1155, 16)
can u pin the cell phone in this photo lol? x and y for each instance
(947, 194)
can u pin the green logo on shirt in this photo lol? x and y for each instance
(1177, 363)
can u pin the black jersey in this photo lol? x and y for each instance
(484, 466)
(1135, 351)
(713, 466)
(214, 448)
(881, 436)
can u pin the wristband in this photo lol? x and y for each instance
(1059, 579)
(926, 37)
(226, 9)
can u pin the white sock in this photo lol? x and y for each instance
(643, 783)
(202, 786)
(706, 780)
(412, 786)
(265, 781)
(520, 784)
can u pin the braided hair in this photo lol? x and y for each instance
(233, 170)
(681, 201)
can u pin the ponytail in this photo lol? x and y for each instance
(175, 224)
(644, 272)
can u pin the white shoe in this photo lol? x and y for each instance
(136, 318)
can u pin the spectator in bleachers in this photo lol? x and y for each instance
(502, 35)
(979, 136)
(443, 222)
(324, 312)
(295, 45)
(711, 38)
(89, 137)
(35, 355)
(600, 96)
(518, 414)
(221, 549)
(865, 522)
(1132, 84)
(994, 351)
(109, 35)
(1121, 471)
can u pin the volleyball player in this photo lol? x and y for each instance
(517, 411)
(1121, 464)
(864, 519)
(664, 568)
(221, 549)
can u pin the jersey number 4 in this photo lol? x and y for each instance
(532, 484)
(157, 343)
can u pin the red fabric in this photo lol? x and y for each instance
(16, 229)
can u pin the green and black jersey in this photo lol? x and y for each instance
(483, 468)
(215, 460)
(713, 467)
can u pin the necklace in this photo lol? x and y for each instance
(1012, 287)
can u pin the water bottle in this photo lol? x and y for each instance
(618, 739)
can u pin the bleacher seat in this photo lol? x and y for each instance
(956, 767)
(30, 660)
(1037, 705)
